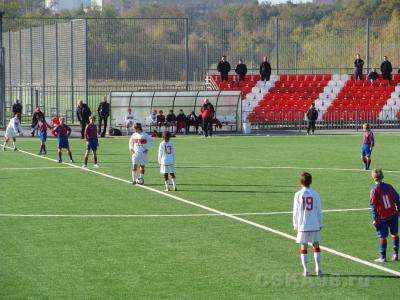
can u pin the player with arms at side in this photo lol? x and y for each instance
(307, 220)
(62, 132)
(367, 146)
(385, 207)
(91, 141)
(42, 125)
(13, 130)
(166, 159)
(139, 144)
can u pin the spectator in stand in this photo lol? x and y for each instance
(193, 120)
(373, 75)
(386, 69)
(181, 121)
(129, 121)
(207, 114)
(161, 120)
(17, 109)
(312, 116)
(38, 114)
(224, 67)
(83, 113)
(358, 68)
(103, 112)
(171, 120)
(265, 69)
(241, 70)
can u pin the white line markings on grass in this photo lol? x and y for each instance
(167, 215)
(230, 216)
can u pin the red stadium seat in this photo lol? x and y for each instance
(283, 77)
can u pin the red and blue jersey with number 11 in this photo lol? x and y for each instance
(384, 202)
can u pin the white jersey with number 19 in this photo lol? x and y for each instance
(307, 211)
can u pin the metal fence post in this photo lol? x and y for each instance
(43, 72)
(57, 98)
(187, 52)
(277, 44)
(31, 66)
(86, 61)
(72, 70)
(20, 64)
(367, 44)
(2, 75)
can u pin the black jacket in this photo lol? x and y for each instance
(358, 64)
(224, 67)
(241, 69)
(265, 68)
(83, 113)
(386, 67)
(104, 109)
(312, 114)
(36, 115)
(181, 117)
(373, 75)
(17, 108)
(171, 118)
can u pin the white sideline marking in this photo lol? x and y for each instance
(230, 216)
(168, 215)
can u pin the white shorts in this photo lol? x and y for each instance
(129, 123)
(10, 133)
(139, 159)
(305, 237)
(166, 169)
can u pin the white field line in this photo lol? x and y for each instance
(230, 216)
(166, 215)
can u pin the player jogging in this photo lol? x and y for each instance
(13, 130)
(139, 144)
(307, 220)
(62, 132)
(385, 207)
(166, 159)
(91, 141)
(367, 146)
(42, 125)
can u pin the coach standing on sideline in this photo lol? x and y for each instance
(358, 68)
(207, 114)
(265, 69)
(312, 116)
(83, 113)
(103, 112)
(224, 68)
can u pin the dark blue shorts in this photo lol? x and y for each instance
(365, 150)
(62, 143)
(92, 145)
(391, 224)
(43, 136)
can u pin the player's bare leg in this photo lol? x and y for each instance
(15, 144)
(70, 155)
(364, 159)
(382, 247)
(141, 171)
(304, 259)
(86, 157)
(95, 159)
(173, 178)
(368, 161)
(166, 182)
(395, 240)
(134, 174)
(59, 155)
(317, 258)
(42, 148)
(5, 143)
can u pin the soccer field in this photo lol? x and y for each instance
(71, 233)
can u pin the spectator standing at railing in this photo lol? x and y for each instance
(386, 69)
(38, 114)
(265, 69)
(17, 109)
(224, 67)
(358, 68)
(312, 116)
(373, 75)
(83, 113)
(241, 70)
(104, 112)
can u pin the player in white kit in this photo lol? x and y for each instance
(166, 159)
(307, 220)
(139, 144)
(13, 130)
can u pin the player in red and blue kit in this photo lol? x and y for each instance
(367, 146)
(42, 125)
(62, 132)
(91, 141)
(385, 207)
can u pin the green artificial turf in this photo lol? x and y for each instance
(190, 255)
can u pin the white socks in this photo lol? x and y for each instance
(14, 145)
(304, 260)
(174, 182)
(317, 259)
(134, 175)
(166, 185)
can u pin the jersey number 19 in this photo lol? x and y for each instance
(308, 203)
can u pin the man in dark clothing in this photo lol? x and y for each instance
(265, 69)
(181, 121)
(171, 120)
(373, 75)
(17, 109)
(386, 69)
(241, 70)
(83, 113)
(312, 116)
(103, 112)
(207, 114)
(192, 120)
(38, 114)
(224, 68)
(358, 68)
